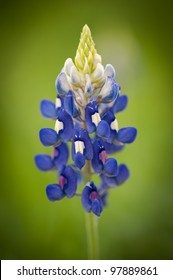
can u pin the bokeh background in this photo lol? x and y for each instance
(36, 38)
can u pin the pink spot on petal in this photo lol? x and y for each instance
(62, 181)
(103, 156)
(93, 196)
(54, 153)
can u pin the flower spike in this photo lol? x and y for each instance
(86, 129)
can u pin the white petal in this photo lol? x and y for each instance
(114, 125)
(109, 71)
(58, 102)
(88, 86)
(98, 72)
(96, 118)
(62, 83)
(79, 146)
(97, 59)
(106, 89)
(74, 75)
(78, 61)
(79, 96)
(67, 65)
(58, 126)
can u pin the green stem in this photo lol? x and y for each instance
(92, 236)
(91, 222)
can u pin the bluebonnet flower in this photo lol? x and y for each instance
(85, 126)
(59, 158)
(67, 185)
(100, 162)
(94, 122)
(91, 199)
(82, 149)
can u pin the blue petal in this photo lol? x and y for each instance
(109, 92)
(104, 199)
(48, 136)
(108, 116)
(79, 160)
(92, 186)
(120, 104)
(67, 132)
(102, 187)
(81, 134)
(70, 106)
(88, 86)
(48, 109)
(126, 135)
(110, 167)
(62, 84)
(112, 148)
(44, 162)
(96, 162)
(91, 109)
(88, 150)
(96, 207)
(54, 192)
(61, 154)
(103, 129)
(78, 173)
(71, 186)
(97, 165)
(103, 192)
(109, 181)
(123, 174)
(86, 202)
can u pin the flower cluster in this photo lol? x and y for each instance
(86, 125)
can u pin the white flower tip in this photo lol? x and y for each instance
(97, 59)
(58, 102)
(62, 83)
(88, 85)
(74, 75)
(58, 126)
(107, 88)
(109, 71)
(79, 147)
(98, 72)
(67, 65)
(86, 68)
(114, 125)
(96, 118)
(86, 29)
(78, 61)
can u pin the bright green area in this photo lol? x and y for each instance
(36, 38)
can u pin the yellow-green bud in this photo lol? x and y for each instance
(86, 58)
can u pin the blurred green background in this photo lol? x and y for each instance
(36, 38)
